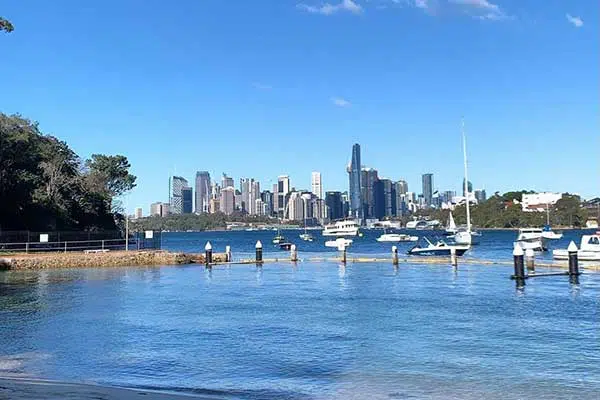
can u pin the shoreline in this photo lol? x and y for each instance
(31, 388)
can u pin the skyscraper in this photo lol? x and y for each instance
(334, 205)
(226, 181)
(480, 195)
(383, 199)
(203, 191)
(469, 186)
(402, 186)
(138, 213)
(177, 185)
(283, 189)
(356, 203)
(227, 201)
(187, 200)
(267, 198)
(368, 178)
(428, 189)
(316, 186)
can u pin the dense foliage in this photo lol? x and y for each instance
(5, 25)
(500, 211)
(44, 185)
(195, 222)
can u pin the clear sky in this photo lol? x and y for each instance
(269, 87)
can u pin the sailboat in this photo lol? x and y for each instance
(466, 236)
(306, 236)
(279, 238)
(547, 232)
(451, 227)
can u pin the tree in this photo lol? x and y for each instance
(5, 25)
(568, 211)
(110, 176)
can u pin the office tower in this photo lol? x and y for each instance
(345, 204)
(283, 190)
(399, 193)
(295, 207)
(354, 175)
(254, 195)
(334, 203)
(480, 195)
(215, 204)
(227, 201)
(155, 208)
(237, 200)
(469, 186)
(177, 185)
(369, 177)
(427, 189)
(226, 181)
(138, 213)
(402, 186)
(260, 207)
(188, 200)
(267, 198)
(383, 199)
(245, 190)
(449, 195)
(316, 185)
(203, 191)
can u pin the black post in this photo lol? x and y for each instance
(208, 253)
(573, 259)
(394, 255)
(519, 261)
(259, 253)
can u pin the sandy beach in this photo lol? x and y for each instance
(31, 389)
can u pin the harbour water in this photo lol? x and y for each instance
(315, 330)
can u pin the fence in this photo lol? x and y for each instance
(78, 241)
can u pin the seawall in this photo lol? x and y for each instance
(95, 260)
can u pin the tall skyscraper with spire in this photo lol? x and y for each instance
(354, 187)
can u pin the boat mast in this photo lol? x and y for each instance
(464, 140)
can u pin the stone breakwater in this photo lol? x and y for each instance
(100, 260)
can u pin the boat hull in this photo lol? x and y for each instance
(582, 255)
(446, 251)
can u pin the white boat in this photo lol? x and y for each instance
(397, 237)
(532, 238)
(279, 238)
(440, 248)
(306, 237)
(589, 249)
(417, 224)
(339, 243)
(341, 228)
(451, 227)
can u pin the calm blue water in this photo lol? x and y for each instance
(311, 331)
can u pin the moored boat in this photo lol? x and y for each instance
(397, 237)
(339, 243)
(440, 248)
(341, 228)
(589, 249)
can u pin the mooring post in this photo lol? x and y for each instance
(453, 257)
(342, 248)
(208, 253)
(573, 259)
(519, 265)
(293, 253)
(530, 259)
(259, 253)
(395, 255)
(228, 256)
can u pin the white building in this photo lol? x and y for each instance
(316, 185)
(295, 207)
(539, 201)
(139, 213)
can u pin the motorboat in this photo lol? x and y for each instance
(339, 243)
(397, 237)
(535, 239)
(285, 246)
(589, 249)
(279, 238)
(548, 233)
(417, 224)
(307, 237)
(440, 248)
(341, 228)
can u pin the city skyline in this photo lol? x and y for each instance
(396, 79)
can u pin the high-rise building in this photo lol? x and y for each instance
(254, 195)
(188, 200)
(402, 186)
(226, 181)
(215, 204)
(295, 208)
(369, 177)
(333, 200)
(245, 190)
(384, 201)
(399, 192)
(203, 192)
(177, 185)
(139, 213)
(316, 185)
(480, 195)
(283, 190)
(356, 203)
(428, 189)
(469, 186)
(159, 209)
(267, 198)
(227, 201)
(345, 204)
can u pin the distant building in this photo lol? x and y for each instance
(282, 193)
(203, 192)
(215, 204)
(384, 201)
(227, 201)
(226, 181)
(316, 185)
(267, 198)
(402, 186)
(334, 203)
(345, 204)
(138, 213)
(295, 207)
(469, 186)
(177, 185)
(368, 179)
(187, 200)
(253, 196)
(539, 201)
(427, 189)
(354, 175)
(159, 209)
(480, 195)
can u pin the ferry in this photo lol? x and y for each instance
(589, 249)
(341, 228)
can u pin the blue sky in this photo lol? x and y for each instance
(269, 87)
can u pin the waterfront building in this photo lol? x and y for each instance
(316, 185)
(368, 179)
(177, 184)
(480, 195)
(227, 201)
(203, 192)
(539, 201)
(187, 200)
(237, 200)
(245, 197)
(427, 189)
(354, 175)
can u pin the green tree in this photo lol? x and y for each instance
(569, 211)
(5, 25)
(109, 175)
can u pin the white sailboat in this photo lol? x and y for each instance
(466, 236)
(451, 227)
(547, 232)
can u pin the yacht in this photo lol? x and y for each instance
(532, 238)
(341, 228)
(339, 243)
(440, 248)
(589, 249)
(307, 237)
(417, 224)
(397, 237)
(279, 238)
